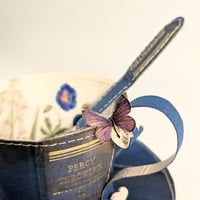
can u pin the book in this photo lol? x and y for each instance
(73, 166)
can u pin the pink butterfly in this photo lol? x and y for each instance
(118, 120)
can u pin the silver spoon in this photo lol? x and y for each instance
(146, 57)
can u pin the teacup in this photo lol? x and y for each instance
(42, 154)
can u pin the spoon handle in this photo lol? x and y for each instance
(146, 57)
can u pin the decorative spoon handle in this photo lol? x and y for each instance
(146, 57)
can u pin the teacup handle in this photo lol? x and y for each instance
(172, 114)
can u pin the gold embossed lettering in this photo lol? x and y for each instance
(76, 167)
(81, 165)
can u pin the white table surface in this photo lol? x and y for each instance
(103, 38)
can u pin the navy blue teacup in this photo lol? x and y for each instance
(42, 155)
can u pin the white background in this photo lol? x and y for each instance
(103, 38)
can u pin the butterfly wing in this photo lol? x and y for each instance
(102, 124)
(95, 119)
(126, 123)
(120, 114)
(122, 107)
(103, 133)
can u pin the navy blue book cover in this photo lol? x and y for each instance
(74, 166)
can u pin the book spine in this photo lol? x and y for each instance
(77, 166)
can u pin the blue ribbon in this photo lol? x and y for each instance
(172, 114)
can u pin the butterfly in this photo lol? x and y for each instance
(119, 127)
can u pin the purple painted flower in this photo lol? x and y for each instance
(66, 97)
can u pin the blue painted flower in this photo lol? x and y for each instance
(66, 97)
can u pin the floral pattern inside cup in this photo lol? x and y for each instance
(44, 106)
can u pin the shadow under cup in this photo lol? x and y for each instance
(42, 155)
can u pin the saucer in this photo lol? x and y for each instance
(155, 186)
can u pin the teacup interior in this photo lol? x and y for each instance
(44, 106)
